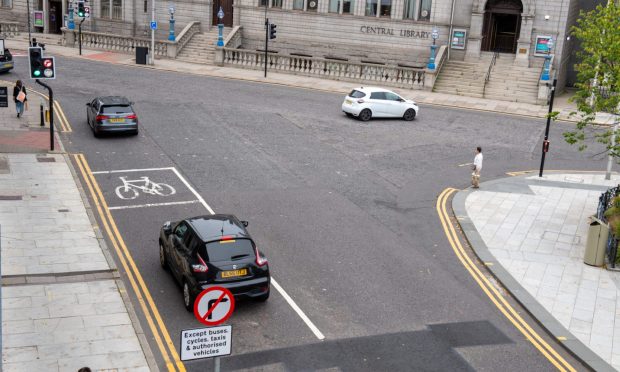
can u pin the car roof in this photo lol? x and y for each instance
(211, 227)
(114, 100)
(372, 89)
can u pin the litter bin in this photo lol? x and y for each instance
(596, 244)
(141, 53)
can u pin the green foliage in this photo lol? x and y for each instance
(613, 216)
(598, 74)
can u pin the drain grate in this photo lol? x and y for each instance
(46, 160)
(10, 197)
(63, 210)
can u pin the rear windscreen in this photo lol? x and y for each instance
(230, 250)
(357, 94)
(116, 110)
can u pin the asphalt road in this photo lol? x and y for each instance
(344, 211)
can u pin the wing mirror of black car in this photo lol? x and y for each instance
(88, 104)
(167, 228)
(245, 223)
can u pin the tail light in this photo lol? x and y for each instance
(132, 116)
(102, 117)
(202, 267)
(260, 261)
(360, 100)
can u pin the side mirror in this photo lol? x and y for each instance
(245, 223)
(167, 227)
(88, 104)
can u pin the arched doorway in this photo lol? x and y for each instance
(502, 22)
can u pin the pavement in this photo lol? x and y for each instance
(530, 232)
(63, 303)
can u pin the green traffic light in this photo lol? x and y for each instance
(37, 73)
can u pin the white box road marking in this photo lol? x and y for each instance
(153, 205)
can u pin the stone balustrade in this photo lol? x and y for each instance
(183, 38)
(396, 76)
(9, 29)
(116, 43)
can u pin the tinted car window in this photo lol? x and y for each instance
(116, 110)
(392, 96)
(227, 250)
(180, 230)
(377, 95)
(357, 94)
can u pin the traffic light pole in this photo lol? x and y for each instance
(51, 103)
(80, 34)
(546, 140)
(266, 42)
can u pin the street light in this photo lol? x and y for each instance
(547, 68)
(431, 60)
(220, 28)
(171, 34)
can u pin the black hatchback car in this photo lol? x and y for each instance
(6, 61)
(111, 114)
(214, 250)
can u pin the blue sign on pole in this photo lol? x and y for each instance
(153, 25)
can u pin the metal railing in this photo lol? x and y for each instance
(488, 75)
(397, 76)
(604, 203)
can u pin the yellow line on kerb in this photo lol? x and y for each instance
(135, 278)
(498, 300)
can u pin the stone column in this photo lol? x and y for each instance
(525, 40)
(46, 16)
(474, 40)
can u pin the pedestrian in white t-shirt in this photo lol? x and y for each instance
(477, 167)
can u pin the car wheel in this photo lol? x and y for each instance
(365, 115)
(188, 299)
(162, 257)
(263, 298)
(409, 114)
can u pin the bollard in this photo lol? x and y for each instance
(41, 114)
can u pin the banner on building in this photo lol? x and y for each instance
(38, 18)
(458, 38)
(542, 45)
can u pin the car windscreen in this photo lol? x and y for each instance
(357, 94)
(116, 110)
(229, 250)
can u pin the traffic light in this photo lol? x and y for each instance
(41, 67)
(272, 31)
(36, 62)
(81, 11)
(545, 146)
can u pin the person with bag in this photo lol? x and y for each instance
(476, 168)
(20, 97)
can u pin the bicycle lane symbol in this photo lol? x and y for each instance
(131, 188)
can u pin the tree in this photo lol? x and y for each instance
(598, 75)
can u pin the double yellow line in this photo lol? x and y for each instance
(62, 118)
(153, 318)
(487, 287)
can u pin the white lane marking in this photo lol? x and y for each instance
(465, 164)
(131, 170)
(202, 201)
(154, 205)
(288, 298)
(301, 314)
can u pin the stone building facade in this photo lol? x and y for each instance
(397, 32)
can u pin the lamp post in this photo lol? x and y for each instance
(171, 34)
(431, 60)
(220, 28)
(545, 74)
(71, 23)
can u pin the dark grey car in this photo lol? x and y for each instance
(111, 114)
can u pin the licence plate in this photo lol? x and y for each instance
(348, 101)
(8, 65)
(117, 120)
(234, 273)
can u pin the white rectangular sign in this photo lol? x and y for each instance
(206, 342)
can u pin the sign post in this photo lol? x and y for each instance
(212, 307)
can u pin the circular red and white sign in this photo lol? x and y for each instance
(214, 306)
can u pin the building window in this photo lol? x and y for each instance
(425, 10)
(309, 5)
(376, 9)
(6, 4)
(117, 9)
(105, 8)
(272, 3)
(340, 6)
(409, 9)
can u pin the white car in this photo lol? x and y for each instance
(366, 103)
